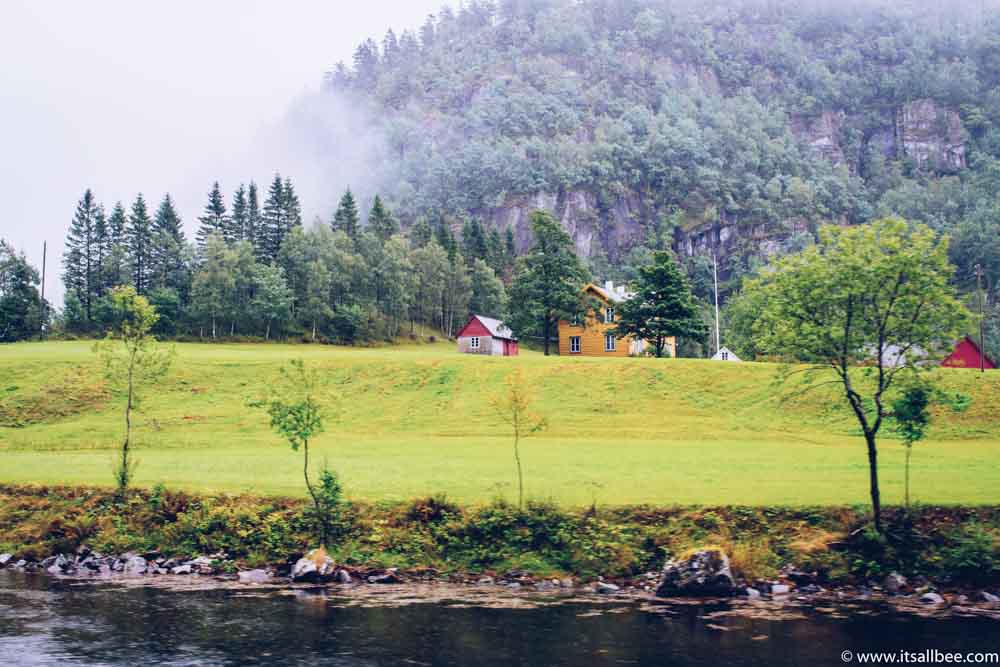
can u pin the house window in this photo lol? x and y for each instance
(574, 344)
(725, 356)
(474, 343)
(609, 315)
(575, 321)
(609, 343)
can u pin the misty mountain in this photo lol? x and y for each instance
(737, 127)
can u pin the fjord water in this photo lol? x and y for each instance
(59, 622)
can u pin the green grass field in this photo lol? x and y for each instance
(415, 420)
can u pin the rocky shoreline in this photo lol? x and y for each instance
(701, 577)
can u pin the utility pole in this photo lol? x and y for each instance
(982, 321)
(45, 247)
(715, 279)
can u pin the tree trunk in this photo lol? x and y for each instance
(213, 327)
(520, 475)
(314, 331)
(321, 521)
(873, 480)
(545, 335)
(267, 332)
(906, 477)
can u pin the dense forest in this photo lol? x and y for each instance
(731, 128)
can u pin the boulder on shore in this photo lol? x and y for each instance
(703, 573)
(315, 566)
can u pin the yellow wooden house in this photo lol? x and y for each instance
(591, 337)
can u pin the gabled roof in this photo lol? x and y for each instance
(604, 294)
(496, 328)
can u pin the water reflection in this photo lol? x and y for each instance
(46, 622)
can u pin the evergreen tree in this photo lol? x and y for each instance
(473, 241)
(102, 240)
(445, 238)
(169, 269)
(346, 217)
(381, 222)
(238, 221)
(548, 282)
(661, 307)
(293, 209)
(252, 231)
(139, 234)
(80, 266)
(214, 219)
(274, 224)
(421, 233)
(116, 271)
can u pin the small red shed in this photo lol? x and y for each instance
(968, 355)
(486, 335)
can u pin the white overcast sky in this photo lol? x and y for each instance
(126, 97)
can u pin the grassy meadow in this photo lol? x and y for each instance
(413, 420)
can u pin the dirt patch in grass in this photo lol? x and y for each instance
(79, 389)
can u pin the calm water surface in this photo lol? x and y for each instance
(60, 622)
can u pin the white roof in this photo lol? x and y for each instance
(729, 356)
(497, 328)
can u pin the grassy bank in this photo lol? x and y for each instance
(415, 420)
(949, 545)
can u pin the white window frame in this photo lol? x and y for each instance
(574, 345)
(610, 344)
(609, 315)
(474, 343)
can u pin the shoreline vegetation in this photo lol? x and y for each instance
(931, 550)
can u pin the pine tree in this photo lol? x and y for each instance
(252, 231)
(473, 241)
(79, 260)
(346, 217)
(381, 222)
(214, 220)
(390, 49)
(139, 234)
(273, 226)
(238, 223)
(22, 313)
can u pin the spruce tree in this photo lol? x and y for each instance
(293, 209)
(79, 260)
(252, 231)
(273, 226)
(381, 222)
(662, 306)
(101, 243)
(214, 220)
(238, 220)
(346, 217)
(446, 238)
(168, 254)
(139, 235)
(116, 265)
(549, 282)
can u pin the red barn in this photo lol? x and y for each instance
(485, 335)
(967, 355)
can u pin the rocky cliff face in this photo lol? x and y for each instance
(930, 136)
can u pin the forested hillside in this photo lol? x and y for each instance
(737, 126)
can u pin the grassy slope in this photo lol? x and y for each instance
(415, 420)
